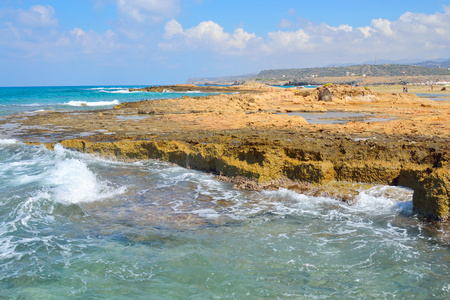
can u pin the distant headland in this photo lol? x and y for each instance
(358, 75)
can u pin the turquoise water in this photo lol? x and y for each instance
(75, 226)
(18, 99)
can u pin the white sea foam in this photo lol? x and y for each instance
(378, 200)
(6, 142)
(70, 181)
(104, 88)
(112, 90)
(384, 199)
(184, 92)
(98, 103)
(29, 105)
(207, 213)
(122, 91)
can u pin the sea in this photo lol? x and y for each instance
(78, 226)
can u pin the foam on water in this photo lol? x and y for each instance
(66, 179)
(7, 142)
(384, 199)
(113, 90)
(34, 182)
(70, 229)
(121, 91)
(71, 181)
(97, 103)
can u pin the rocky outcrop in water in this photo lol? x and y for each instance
(253, 135)
(319, 160)
(190, 88)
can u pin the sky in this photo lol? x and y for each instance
(153, 42)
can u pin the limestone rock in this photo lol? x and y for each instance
(245, 134)
(432, 194)
(325, 94)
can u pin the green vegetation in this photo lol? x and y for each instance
(356, 70)
(351, 75)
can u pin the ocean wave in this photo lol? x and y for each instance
(123, 91)
(116, 91)
(104, 88)
(72, 182)
(6, 142)
(28, 105)
(98, 103)
(378, 200)
(113, 90)
(383, 199)
(184, 92)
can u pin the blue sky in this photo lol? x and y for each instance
(112, 42)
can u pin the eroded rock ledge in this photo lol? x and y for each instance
(250, 136)
(192, 88)
(270, 156)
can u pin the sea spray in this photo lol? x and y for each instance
(71, 181)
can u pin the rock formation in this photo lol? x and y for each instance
(325, 94)
(254, 138)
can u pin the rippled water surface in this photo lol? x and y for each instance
(76, 226)
(31, 99)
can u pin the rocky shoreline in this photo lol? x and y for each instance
(256, 138)
(192, 88)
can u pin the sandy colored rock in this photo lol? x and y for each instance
(402, 139)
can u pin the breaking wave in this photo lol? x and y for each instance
(90, 104)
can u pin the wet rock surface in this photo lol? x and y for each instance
(250, 138)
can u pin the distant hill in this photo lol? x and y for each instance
(428, 68)
(356, 70)
(435, 64)
(223, 79)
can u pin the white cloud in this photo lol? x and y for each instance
(172, 28)
(383, 26)
(413, 35)
(33, 34)
(148, 10)
(346, 28)
(208, 34)
(37, 15)
(78, 33)
(366, 31)
(293, 40)
(89, 42)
